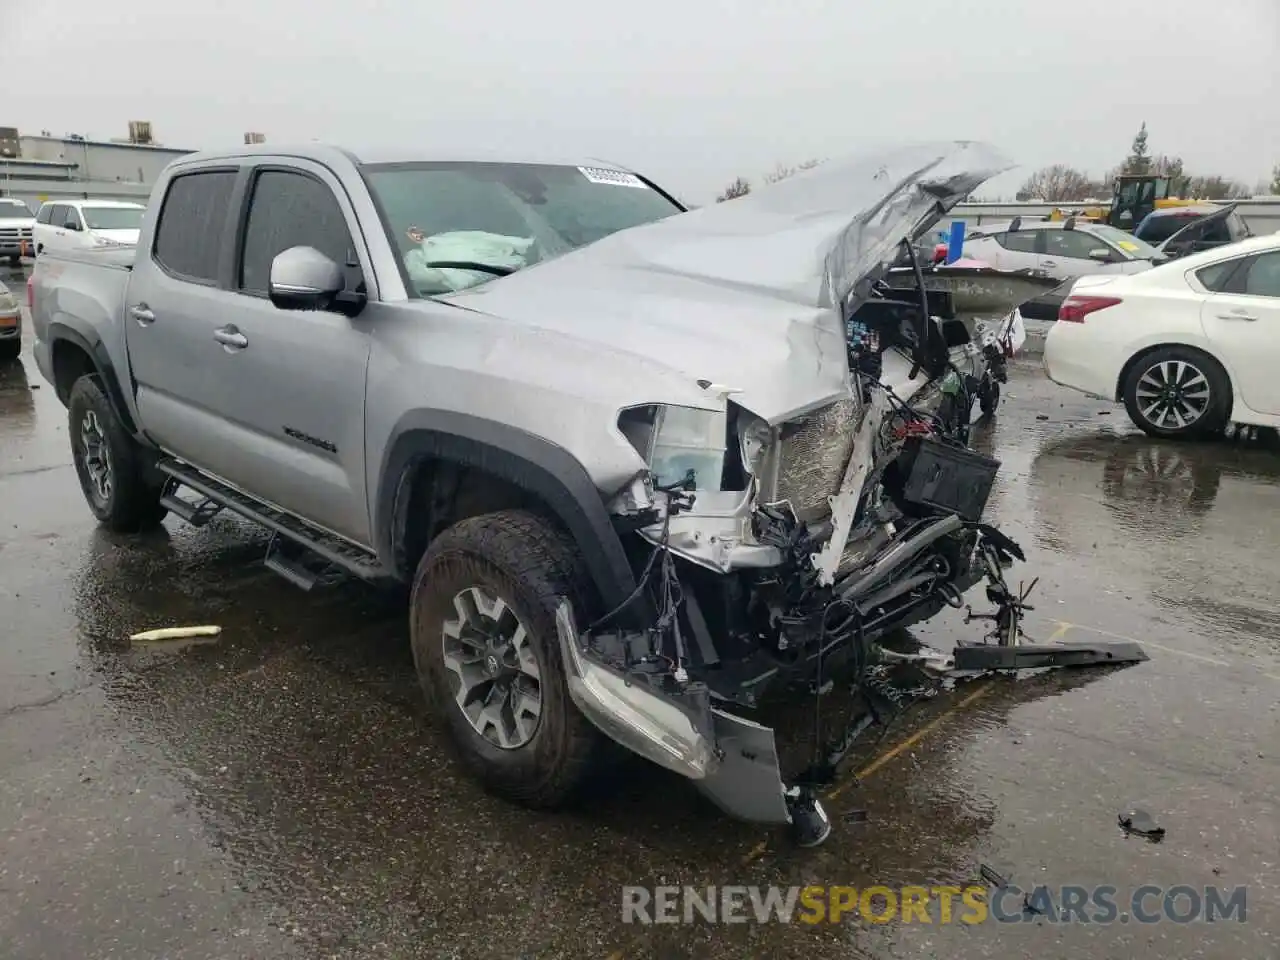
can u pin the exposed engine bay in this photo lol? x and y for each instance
(781, 553)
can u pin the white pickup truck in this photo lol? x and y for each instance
(16, 225)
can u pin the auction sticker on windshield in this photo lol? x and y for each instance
(614, 177)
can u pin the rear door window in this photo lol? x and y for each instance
(1216, 276)
(290, 209)
(1020, 241)
(46, 214)
(1070, 244)
(58, 214)
(1261, 277)
(192, 227)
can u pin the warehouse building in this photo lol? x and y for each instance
(43, 167)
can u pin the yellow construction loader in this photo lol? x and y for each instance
(1133, 197)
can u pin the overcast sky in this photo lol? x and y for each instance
(691, 92)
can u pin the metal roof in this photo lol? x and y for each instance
(329, 153)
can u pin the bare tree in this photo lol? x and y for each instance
(1057, 184)
(1103, 188)
(782, 171)
(738, 188)
(1171, 167)
(1216, 188)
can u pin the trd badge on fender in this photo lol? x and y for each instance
(313, 441)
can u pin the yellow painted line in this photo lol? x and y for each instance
(759, 849)
(1061, 632)
(755, 852)
(911, 741)
(1151, 643)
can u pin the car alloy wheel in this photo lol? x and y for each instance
(96, 456)
(1173, 394)
(493, 670)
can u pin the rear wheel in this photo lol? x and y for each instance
(488, 657)
(109, 462)
(1177, 393)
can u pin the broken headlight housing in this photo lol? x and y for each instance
(678, 442)
(722, 449)
(754, 439)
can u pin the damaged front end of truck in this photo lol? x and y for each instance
(779, 545)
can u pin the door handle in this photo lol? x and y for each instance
(1048, 263)
(1237, 315)
(142, 313)
(231, 338)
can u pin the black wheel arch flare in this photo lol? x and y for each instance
(96, 351)
(543, 469)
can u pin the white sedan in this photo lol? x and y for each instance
(1187, 346)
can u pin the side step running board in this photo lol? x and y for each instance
(196, 514)
(286, 527)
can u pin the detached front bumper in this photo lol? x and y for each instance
(733, 761)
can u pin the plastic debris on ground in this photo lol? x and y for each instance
(175, 633)
(1138, 822)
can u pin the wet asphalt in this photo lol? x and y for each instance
(280, 792)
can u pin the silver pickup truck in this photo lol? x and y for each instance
(638, 464)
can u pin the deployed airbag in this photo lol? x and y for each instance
(471, 246)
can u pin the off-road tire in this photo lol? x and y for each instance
(526, 561)
(9, 350)
(1214, 418)
(133, 504)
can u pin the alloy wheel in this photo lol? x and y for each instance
(96, 456)
(494, 672)
(1173, 394)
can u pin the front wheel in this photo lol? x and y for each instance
(9, 349)
(488, 657)
(15, 260)
(109, 462)
(1178, 393)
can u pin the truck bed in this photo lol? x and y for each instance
(83, 292)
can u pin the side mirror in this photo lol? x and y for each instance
(303, 278)
(1101, 254)
(71, 225)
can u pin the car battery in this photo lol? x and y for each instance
(946, 478)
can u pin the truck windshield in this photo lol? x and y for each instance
(113, 218)
(459, 224)
(14, 210)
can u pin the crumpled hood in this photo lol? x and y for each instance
(748, 293)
